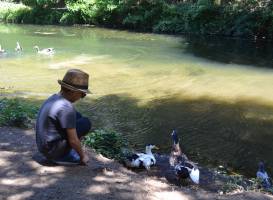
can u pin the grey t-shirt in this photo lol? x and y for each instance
(55, 116)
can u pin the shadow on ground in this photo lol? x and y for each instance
(21, 177)
(24, 178)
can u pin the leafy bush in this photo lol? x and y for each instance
(248, 18)
(44, 16)
(40, 3)
(15, 112)
(18, 13)
(83, 11)
(13, 13)
(142, 15)
(109, 143)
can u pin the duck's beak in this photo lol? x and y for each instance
(155, 147)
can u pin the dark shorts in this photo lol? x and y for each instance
(61, 147)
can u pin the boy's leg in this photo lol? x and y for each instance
(83, 125)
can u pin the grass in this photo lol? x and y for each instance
(17, 112)
(238, 183)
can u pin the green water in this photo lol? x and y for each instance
(144, 85)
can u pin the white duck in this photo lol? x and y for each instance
(47, 51)
(18, 48)
(183, 167)
(263, 176)
(139, 160)
(2, 50)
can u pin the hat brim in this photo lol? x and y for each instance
(70, 87)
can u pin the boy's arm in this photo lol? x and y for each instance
(76, 144)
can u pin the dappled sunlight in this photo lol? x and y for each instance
(162, 195)
(112, 177)
(98, 189)
(45, 33)
(15, 181)
(77, 61)
(21, 196)
(45, 169)
(45, 181)
(156, 183)
(103, 159)
(4, 159)
(99, 180)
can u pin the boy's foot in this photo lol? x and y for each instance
(71, 158)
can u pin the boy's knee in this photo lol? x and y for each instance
(83, 126)
(88, 124)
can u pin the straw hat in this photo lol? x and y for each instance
(75, 80)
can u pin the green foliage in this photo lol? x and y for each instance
(40, 3)
(68, 18)
(142, 15)
(13, 13)
(91, 12)
(15, 112)
(246, 18)
(109, 143)
(17, 13)
(83, 11)
(44, 16)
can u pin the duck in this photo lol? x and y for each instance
(2, 50)
(18, 48)
(47, 51)
(139, 160)
(263, 176)
(182, 166)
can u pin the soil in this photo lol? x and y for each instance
(25, 174)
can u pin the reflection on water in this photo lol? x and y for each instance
(145, 85)
(257, 53)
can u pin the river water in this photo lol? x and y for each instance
(216, 92)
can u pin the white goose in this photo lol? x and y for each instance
(2, 50)
(182, 166)
(139, 160)
(18, 48)
(47, 51)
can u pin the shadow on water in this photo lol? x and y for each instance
(232, 51)
(237, 135)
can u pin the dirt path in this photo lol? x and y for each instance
(23, 177)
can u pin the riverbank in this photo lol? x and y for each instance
(24, 175)
(244, 19)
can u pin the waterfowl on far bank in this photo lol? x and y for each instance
(47, 51)
(139, 160)
(183, 167)
(2, 50)
(18, 48)
(263, 176)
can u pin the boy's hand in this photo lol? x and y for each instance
(84, 159)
